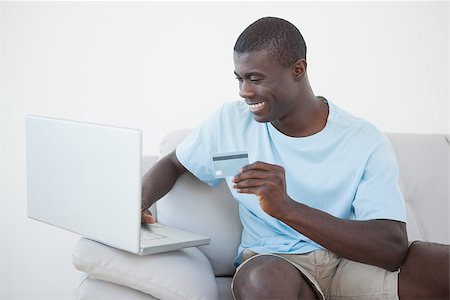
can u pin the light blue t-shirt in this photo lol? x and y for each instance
(348, 170)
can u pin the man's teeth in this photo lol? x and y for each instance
(257, 105)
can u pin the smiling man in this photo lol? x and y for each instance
(321, 211)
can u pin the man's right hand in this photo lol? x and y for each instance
(146, 217)
(155, 186)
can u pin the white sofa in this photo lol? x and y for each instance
(205, 272)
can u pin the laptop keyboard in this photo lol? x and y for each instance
(147, 235)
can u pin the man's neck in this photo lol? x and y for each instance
(308, 119)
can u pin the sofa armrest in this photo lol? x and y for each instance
(181, 274)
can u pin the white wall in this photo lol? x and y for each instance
(162, 66)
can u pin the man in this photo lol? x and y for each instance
(321, 211)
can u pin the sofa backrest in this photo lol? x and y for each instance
(195, 206)
(424, 165)
(424, 180)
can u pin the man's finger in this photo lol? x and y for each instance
(248, 183)
(248, 190)
(256, 174)
(259, 165)
(146, 217)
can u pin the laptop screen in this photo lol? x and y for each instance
(85, 178)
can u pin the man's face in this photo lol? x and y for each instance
(267, 87)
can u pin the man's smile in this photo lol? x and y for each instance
(256, 107)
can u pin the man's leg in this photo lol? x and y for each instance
(271, 277)
(425, 272)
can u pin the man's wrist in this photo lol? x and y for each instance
(290, 211)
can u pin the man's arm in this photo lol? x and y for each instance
(158, 181)
(381, 243)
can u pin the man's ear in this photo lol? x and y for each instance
(299, 68)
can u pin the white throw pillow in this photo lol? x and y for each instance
(181, 274)
(90, 288)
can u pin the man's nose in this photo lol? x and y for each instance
(246, 90)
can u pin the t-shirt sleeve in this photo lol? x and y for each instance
(378, 195)
(195, 151)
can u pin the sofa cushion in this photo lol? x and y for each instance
(181, 274)
(91, 288)
(224, 287)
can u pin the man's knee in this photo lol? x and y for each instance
(425, 271)
(271, 277)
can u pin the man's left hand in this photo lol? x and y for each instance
(268, 183)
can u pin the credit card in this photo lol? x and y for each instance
(229, 164)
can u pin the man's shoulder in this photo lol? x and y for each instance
(234, 108)
(235, 113)
(226, 113)
(361, 129)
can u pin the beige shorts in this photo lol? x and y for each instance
(338, 278)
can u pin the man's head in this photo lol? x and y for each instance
(270, 65)
(282, 40)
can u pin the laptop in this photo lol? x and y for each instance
(86, 178)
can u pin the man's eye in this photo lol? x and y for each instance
(255, 79)
(239, 78)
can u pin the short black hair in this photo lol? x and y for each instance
(280, 38)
